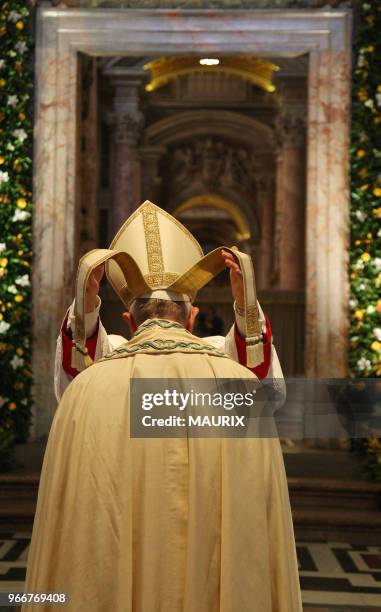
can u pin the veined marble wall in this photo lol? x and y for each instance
(63, 32)
(198, 4)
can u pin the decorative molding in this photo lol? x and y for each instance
(290, 129)
(128, 127)
(221, 124)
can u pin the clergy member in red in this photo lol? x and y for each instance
(99, 342)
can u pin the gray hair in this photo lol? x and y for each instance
(154, 308)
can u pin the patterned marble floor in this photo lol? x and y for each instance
(335, 576)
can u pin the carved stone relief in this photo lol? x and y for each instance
(214, 163)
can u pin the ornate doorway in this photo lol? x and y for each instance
(323, 37)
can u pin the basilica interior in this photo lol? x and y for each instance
(220, 144)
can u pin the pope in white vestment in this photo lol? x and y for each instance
(128, 524)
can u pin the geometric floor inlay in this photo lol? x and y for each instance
(333, 575)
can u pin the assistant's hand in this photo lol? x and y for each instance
(236, 278)
(92, 288)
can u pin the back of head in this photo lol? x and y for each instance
(154, 308)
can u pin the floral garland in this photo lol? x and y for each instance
(365, 253)
(16, 86)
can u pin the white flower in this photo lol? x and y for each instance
(2, 63)
(359, 265)
(4, 177)
(377, 263)
(14, 16)
(10, 146)
(3, 400)
(16, 362)
(361, 61)
(4, 326)
(379, 235)
(353, 303)
(370, 309)
(24, 401)
(361, 215)
(12, 289)
(20, 134)
(20, 215)
(363, 364)
(12, 101)
(21, 47)
(12, 53)
(3, 246)
(23, 281)
(369, 103)
(377, 333)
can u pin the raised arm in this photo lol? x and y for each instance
(234, 343)
(99, 342)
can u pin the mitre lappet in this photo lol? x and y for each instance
(154, 256)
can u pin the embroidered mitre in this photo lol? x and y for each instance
(154, 255)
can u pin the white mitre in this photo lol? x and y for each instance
(154, 255)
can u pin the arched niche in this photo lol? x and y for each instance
(248, 143)
(211, 200)
(225, 124)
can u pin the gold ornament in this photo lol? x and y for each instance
(257, 71)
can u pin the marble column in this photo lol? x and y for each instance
(128, 123)
(278, 210)
(267, 215)
(87, 211)
(151, 179)
(291, 129)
